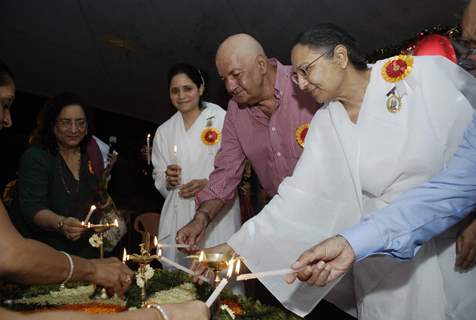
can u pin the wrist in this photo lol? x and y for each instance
(203, 216)
(60, 223)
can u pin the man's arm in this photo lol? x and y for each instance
(222, 184)
(403, 226)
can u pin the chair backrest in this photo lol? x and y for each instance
(147, 222)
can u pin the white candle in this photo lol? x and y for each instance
(124, 256)
(148, 148)
(160, 245)
(273, 273)
(93, 207)
(211, 299)
(179, 266)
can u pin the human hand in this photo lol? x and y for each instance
(468, 23)
(172, 175)
(112, 274)
(190, 310)
(192, 232)
(73, 229)
(466, 247)
(193, 187)
(202, 270)
(324, 262)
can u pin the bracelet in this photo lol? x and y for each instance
(71, 269)
(160, 309)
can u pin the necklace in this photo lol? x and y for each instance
(61, 163)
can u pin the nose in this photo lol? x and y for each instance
(230, 85)
(7, 119)
(302, 82)
(74, 127)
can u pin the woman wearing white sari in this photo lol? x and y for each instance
(183, 153)
(382, 130)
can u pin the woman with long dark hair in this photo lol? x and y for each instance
(59, 176)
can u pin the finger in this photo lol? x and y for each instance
(308, 257)
(469, 258)
(316, 271)
(305, 274)
(463, 254)
(291, 277)
(324, 276)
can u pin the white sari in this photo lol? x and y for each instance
(347, 171)
(196, 160)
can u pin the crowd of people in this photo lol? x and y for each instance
(376, 208)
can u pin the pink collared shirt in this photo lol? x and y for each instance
(269, 143)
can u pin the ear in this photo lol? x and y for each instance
(262, 63)
(341, 56)
(201, 90)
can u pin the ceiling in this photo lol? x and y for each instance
(116, 52)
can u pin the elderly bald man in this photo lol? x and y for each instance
(266, 114)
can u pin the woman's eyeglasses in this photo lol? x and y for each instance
(305, 71)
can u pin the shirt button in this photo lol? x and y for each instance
(273, 129)
(278, 154)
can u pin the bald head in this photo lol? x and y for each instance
(242, 47)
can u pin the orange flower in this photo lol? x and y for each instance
(301, 133)
(210, 136)
(397, 68)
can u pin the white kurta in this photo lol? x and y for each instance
(348, 170)
(196, 160)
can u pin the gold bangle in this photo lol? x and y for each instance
(160, 310)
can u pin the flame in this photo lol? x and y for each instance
(93, 207)
(116, 223)
(230, 268)
(175, 148)
(82, 223)
(124, 256)
(156, 242)
(238, 265)
(159, 252)
(201, 257)
(89, 224)
(148, 136)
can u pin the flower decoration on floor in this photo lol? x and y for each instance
(95, 241)
(301, 133)
(210, 136)
(397, 68)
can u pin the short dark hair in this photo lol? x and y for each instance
(190, 71)
(43, 135)
(6, 75)
(327, 36)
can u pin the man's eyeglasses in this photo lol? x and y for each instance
(304, 71)
(67, 124)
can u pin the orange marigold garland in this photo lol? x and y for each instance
(397, 68)
(301, 133)
(210, 136)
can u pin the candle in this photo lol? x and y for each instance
(178, 266)
(201, 257)
(148, 149)
(272, 273)
(93, 207)
(211, 299)
(124, 256)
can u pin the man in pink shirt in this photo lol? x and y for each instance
(266, 122)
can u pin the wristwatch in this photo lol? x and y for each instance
(60, 224)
